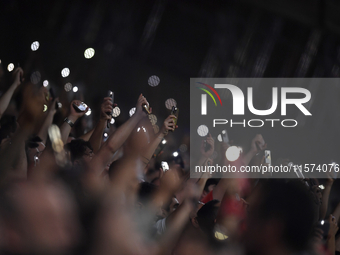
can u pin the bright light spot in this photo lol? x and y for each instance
(35, 77)
(322, 222)
(202, 130)
(45, 108)
(88, 113)
(183, 147)
(68, 87)
(65, 72)
(115, 112)
(112, 121)
(169, 103)
(153, 80)
(144, 129)
(60, 105)
(10, 67)
(89, 53)
(35, 46)
(219, 138)
(132, 111)
(163, 141)
(45, 83)
(321, 186)
(106, 135)
(75, 89)
(0, 61)
(138, 129)
(153, 119)
(175, 154)
(233, 153)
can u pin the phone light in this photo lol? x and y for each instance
(169, 103)
(202, 130)
(163, 141)
(45, 83)
(106, 135)
(35, 46)
(175, 154)
(75, 89)
(132, 111)
(233, 153)
(88, 113)
(10, 67)
(321, 186)
(65, 72)
(89, 53)
(322, 222)
(112, 121)
(115, 112)
(68, 87)
(154, 81)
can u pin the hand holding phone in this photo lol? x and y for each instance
(111, 95)
(174, 111)
(79, 108)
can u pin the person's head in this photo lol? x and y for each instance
(81, 151)
(281, 216)
(206, 217)
(145, 193)
(38, 218)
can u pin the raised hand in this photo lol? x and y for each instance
(139, 106)
(73, 113)
(207, 147)
(18, 76)
(106, 106)
(258, 144)
(168, 124)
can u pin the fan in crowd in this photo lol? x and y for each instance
(61, 194)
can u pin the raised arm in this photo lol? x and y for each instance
(97, 135)
(168, 124)
(325, 198)
(47, 122)
(116, 140)
(6, 97)
(73, 116)
(257, 144)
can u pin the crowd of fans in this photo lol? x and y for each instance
(61, 194)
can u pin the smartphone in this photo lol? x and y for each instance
(225, 136)
(206, 145)
(159, 148)
(146, 108)
(174, 111)
(324, 226)
(80, 108)
(165, 166)
(111, 95)
(267, 157)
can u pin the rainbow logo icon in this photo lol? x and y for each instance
(209, 93)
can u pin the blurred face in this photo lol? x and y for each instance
(262, 234)
(46, 223)
(88, 155)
